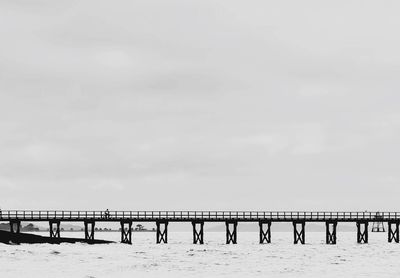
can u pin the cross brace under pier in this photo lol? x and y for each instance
(231, 235)
(198, 234)
(331, 232)
(393, 232)
(265, 234)
(299, 232)
(126, 232)
(362, 231)
(162, 232)
(54, 228)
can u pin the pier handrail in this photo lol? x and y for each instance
(216, 215)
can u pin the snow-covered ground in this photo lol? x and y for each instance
(180, 258)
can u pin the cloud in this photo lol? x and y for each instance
(296, 139)
(238, 99)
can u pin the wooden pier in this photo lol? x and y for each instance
(198, 219)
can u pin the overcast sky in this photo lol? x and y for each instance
(256, 105)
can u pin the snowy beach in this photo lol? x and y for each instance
(180, 258)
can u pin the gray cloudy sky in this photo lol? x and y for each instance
(201, 104)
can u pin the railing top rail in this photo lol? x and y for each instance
(245, 212)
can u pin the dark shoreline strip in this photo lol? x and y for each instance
(17, 238)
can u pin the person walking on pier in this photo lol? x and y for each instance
(107, 214)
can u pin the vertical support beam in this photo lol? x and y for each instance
(231, 236)
(362, 232)
(54, 231)
(198, 235)
(299, 235)
(126, 231)
(331, 233)
(89, 230)
(15, 226)
(393, 232)
(162, 235)
(265, 235)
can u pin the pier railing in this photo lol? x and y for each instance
(37, 215)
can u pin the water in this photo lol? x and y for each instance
(180, 258)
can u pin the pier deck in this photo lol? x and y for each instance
(198, 218)
(188, 216)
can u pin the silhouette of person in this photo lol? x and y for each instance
(107, 213)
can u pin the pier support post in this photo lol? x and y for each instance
(89, 230)
(265, 235)
(393, 233)
(198, 235)
(299, 235)
(231, 236)
(54, 231)
(331, 233)
(15, 226)
(362, 232)
(126, 231)
(162, 235)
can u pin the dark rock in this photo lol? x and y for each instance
(14, 238)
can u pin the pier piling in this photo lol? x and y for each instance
(393, 232)
(162, 235)
(265, 235)
(54, 228)
(299, 235)
(15, 226)
(231, 235)
(126, 232)
(331, 232)
(89, 230)
(362, 232)
(198, 235)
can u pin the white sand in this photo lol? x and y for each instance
(180, 258)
